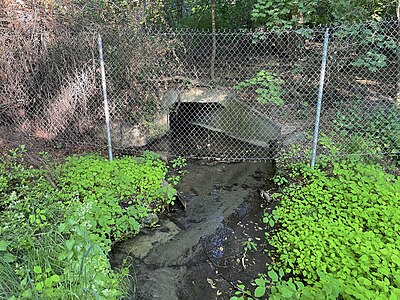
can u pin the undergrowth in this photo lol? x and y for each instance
(59, 221)
(335, 232)
(375, 131)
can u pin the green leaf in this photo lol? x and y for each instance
(37, 269)
(9, 258)
(39, 286)
(287, 293)
(3, 245)
(48, 282)
(259, 291)
(55, 278)
(396, 259)
(260, 281)
(70, 244)
(272, 274)
(27, 294)
(61, 228)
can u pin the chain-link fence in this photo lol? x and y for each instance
(230, 95)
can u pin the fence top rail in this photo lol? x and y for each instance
(235, 31)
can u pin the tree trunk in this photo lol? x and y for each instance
(180, 9)
(214, 40)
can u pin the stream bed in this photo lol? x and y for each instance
(198, 253)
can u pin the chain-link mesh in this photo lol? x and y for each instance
(361, 108)
(49, 88)
(240, 100)
(230, 95)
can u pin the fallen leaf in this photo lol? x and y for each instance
(211, 282)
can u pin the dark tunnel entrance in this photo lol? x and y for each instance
(190, 140)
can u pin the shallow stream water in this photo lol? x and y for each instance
(198, 253)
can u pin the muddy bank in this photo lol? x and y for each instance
(198, 253)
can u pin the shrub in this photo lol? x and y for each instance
(268, 87)
(58, 222)
(335, 232)
(378, 130)
(343, 222)
(118, 195)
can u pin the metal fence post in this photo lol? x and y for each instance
(106, 109)
(320, 93)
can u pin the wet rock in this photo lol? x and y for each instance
(160, 285)
(140, 246)
(150, 219)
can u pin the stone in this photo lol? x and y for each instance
(143, 244)
(197, 94)
(125, 135)
(150, 219)
(202, 95)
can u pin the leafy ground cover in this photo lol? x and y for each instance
(335, 233)
(376, 131)
(59, 221)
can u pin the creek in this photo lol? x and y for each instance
(198, 253)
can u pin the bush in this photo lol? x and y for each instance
(118, 195)
(335, 233)
(267, 86)
(377, 130)
(343, 222)
(58, 222)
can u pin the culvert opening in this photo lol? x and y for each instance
(188, 138)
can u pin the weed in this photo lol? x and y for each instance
(56, 233)
(335, 232)
(342, 222)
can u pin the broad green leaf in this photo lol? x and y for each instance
(55, 278)
(3, 245)
(272, 274)
(260, 282)
(70, 244)
(39, 286)
(9, 258)
(48, 282)
(259, 291)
